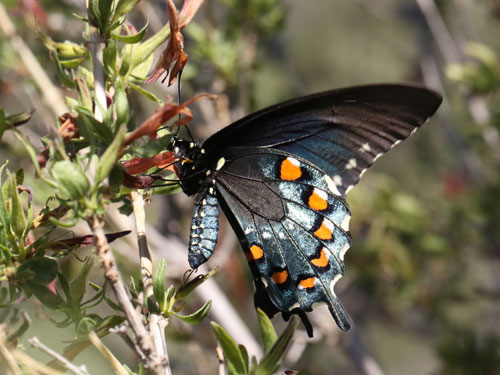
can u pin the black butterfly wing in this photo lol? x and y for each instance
(293, 225)
(342, 131)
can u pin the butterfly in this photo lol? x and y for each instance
(281, 176)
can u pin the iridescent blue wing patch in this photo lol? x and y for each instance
(293, 224)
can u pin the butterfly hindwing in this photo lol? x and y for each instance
(297, 243)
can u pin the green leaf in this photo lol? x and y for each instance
(235, 360)
(244, 353)
(19, 118)
(108, 159)
(146, 93)
(72, 181)
(72, 63)
(34, 159)
(85, 326)
(186, 289)
(145, 49)
(267, 331)
(46, 296)
(123, 7)
(109, 57)
(17, 218)
(272, 360)
(105, 9)
(159, 279)
(132, 39)
(169, 298)
(121, 102)
(40, 270)
(198, 316)
(63, 77)
(79, 283)
(4, 214)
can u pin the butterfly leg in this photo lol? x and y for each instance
(204, 228)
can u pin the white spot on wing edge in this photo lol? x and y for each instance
(331, 185)
(345, 223)
(365, 147)
(344, 250)
(220, 163)
(351, 164)
(337, 180)
(332, 284)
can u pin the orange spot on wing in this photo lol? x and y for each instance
(317, 203)
(307, 283)
(290, 171)
(255, 253)
(280, 277)
(322, 261)
(323, 233)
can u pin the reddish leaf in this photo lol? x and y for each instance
(138, 182)
(174, 53)
(139, 165)
(188, 11)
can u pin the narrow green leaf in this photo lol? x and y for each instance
(146, 93)
(46, 296)
(186, 289)
(121, 102)
(4, 214)
(108, 159)
(123, 7)
(72, 181)
(269, 336)
(236, 362)
(109, 57)
(17, 218)
(272, 360)
(40, 270)
(72, 63)
(79, 283)
(132, 39)
(85, 326)
(63, 77)
(169, 298)
(244, 353)
(159, 280)
(34, 159)
(19, 118)
(145, 49)
(198, 316)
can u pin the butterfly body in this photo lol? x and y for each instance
(281, 176)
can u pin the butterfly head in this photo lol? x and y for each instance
(193, 166)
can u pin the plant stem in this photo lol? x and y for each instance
(157, 323)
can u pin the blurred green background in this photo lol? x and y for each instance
(421, 281)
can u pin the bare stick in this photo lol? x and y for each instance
(35, 342)
(111, 273)
(7, 355)
(110, 358)
(220, 357)
(157, 323)
(96, 48)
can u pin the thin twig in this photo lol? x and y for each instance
(220, 358)
(156, 322)
(110, 358)
(6, 354)
(113, 276)
(35, 342)
(96, 47)
(51, 94)
(356, 351)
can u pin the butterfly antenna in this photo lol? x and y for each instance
(179, 89)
